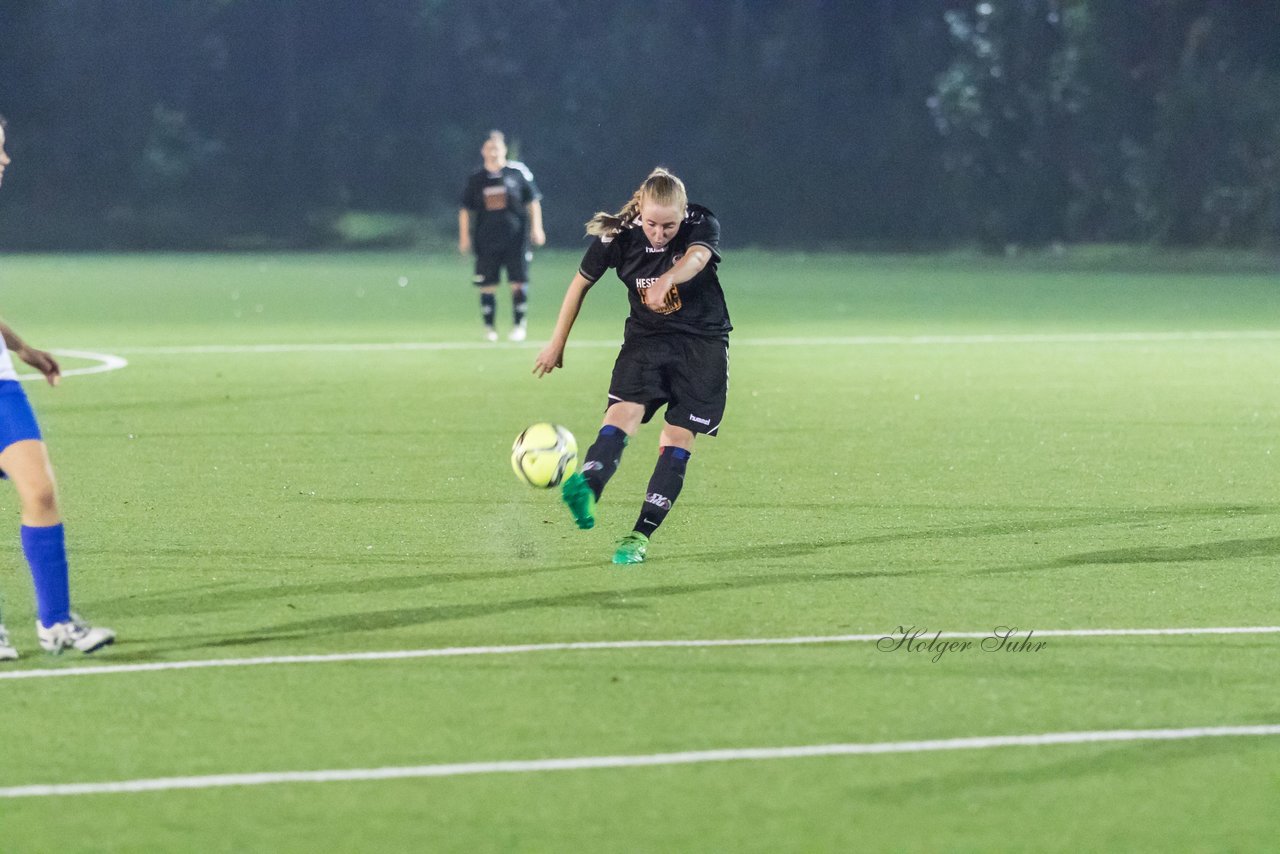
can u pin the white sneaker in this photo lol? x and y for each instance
(517, 333)
(74, 634)
(490, 334)
(7, 652)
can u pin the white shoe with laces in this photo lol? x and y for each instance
(74, 634)
(7, 652)
(517, 333)
(490, 334)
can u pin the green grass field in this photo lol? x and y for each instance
(945, 443)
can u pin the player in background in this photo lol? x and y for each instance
(502, 207)
(25, 461)
(675, 349)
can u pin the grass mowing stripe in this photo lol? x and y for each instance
(577, 646)
(582, 763)
(851, 340)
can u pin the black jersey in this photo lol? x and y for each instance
(702, 311)
(499, 204)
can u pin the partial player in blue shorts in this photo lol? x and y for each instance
(24, 461)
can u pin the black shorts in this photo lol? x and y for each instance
(690, 375)
(489, 265)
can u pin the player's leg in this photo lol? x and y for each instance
(26, 464)
(635, 393)
(674, 449)
(698, 377)
(17, 427)
(489, 312)
(7, 650)
(519, 303)
(582, 489)
(621, 421)
(518, 276)
(488, 268)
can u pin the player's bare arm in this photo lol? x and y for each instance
(537, 236)
(693, 262)
(464, 231)
(552, 356)
(41, 360)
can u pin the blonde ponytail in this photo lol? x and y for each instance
(661, 186)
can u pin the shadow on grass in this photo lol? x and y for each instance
(214, 598)
(221, 596)
(1081, 520)
(1195, 553)
(1100, 760)
(168, 404)
(1221, 550)
(398, 618)
(210, 599)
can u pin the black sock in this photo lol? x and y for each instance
(603, 457)
(488, 308)
(519, 299)
(664, 489)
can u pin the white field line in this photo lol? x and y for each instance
(109, 362)
(581, 646)
(828, 341)
(106, 362)
(581, 763)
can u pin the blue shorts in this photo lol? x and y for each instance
(17, 420)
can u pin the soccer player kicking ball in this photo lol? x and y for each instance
(675, 349)
(25, 461)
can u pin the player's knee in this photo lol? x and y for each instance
(677, 437)
(625, 416)
(40, 499)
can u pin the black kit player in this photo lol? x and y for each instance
(675, 349)
(500, 215)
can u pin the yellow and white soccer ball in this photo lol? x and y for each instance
(544, 455)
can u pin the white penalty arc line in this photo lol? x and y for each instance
(106, 362)
(832, 341)
(583, 646)
(582, 763)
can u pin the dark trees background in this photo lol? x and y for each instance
(805, 123)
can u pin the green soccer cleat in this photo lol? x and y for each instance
(632, 548)
(577, 494)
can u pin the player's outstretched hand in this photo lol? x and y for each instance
(548, 360)
(42, 362)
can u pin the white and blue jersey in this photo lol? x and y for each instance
(6, 363)
(17, 420)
